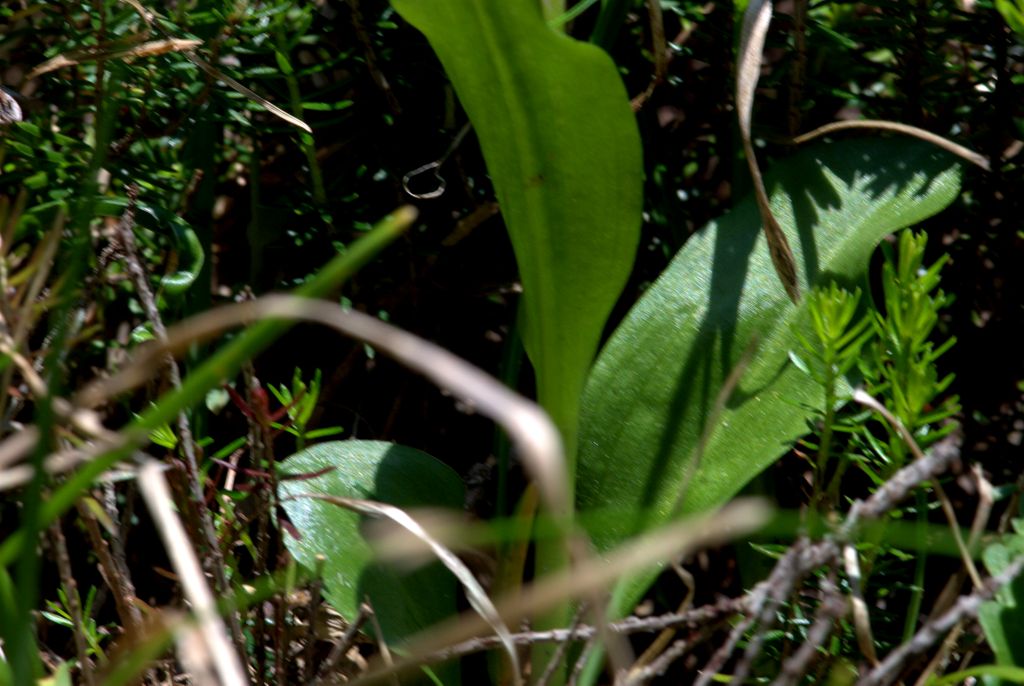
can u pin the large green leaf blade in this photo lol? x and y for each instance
(563, 150)
(654, 386)
(373, 470)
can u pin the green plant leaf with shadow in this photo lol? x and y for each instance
(1002, 619)
(373, 470)
(654, 389)
(563, 150)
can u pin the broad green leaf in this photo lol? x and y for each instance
(372, 470)
(563, 150)
(1002, 619)
(655, 384)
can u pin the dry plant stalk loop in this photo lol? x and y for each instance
(949, 146)
(475, 593)
(535, 435)
(748, 69)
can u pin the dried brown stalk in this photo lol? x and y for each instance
(67, 579)
(218, 650)
(904, 129)
(115, 574)
(125, 237)
(832, 607)
(341, 648)
(563, 648)
(748, 70)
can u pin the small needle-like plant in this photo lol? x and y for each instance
(300, 400)
(902, 368)
(59, 613)
(901, 371)
(892, 350)
(838, 333)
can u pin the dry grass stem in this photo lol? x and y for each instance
(475, 593)
(948, 595)
(531, 430)
(967, 606)
(118, 50)
(659, 665)
(314, 608)
(659, 50)
(748, 70)
(157, 495)
(780, 585)
(832, 608)
(947, 506)
(341, 648)
(590, 576)
(859, 608)
(382, 646)
(758, 598)
(711, 614)
(372, 63)
(115, 574)
(70, 585)
(146, 15)
(190, 55)
(899, 487)
(581, 662)
(895, 127)
(40, 265)
(247, 92)
(563, 648)
(659, 644)
(982, 514)
(941, 656)
(124, 237)
(16, 447)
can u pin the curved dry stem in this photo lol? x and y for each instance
(896, 127)
(218, 648)
(188, 50)
(966, 607)
(475, 593)
(17, 446)
(867, 400)
(591, 576)
(859, 608)
(748, 70)
(531, 430)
